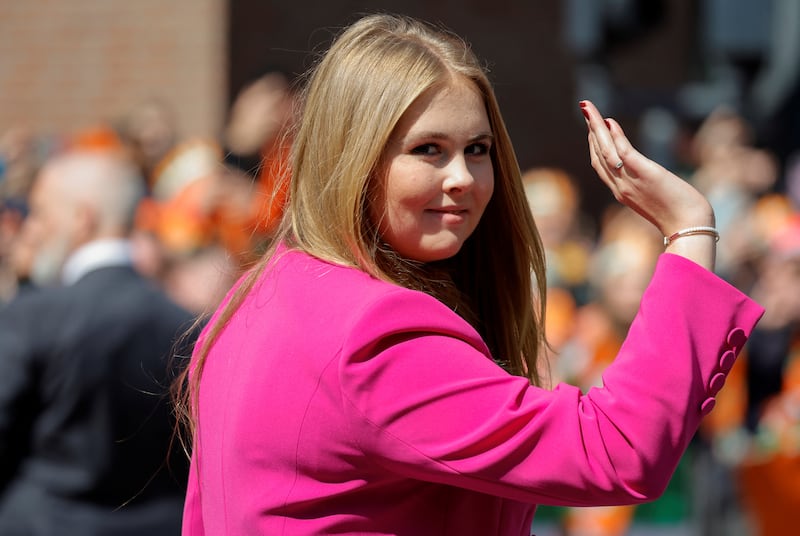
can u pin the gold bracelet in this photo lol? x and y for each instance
(711, 231)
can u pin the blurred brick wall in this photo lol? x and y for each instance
(68, 64)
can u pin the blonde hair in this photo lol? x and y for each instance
(353, 100)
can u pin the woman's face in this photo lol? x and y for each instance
(438, 175)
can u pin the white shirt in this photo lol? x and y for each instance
(94, 255)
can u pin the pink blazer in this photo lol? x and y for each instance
(334, 403)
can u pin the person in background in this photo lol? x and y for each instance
(149, 131)
(733, 174)
(15, 251)
(85, 428)
(257, 139)
(21, 153)
(554, 200)
(769, 471)
(182, 235)
(377, 371)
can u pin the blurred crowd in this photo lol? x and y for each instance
(211, 205)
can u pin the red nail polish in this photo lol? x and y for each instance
(585, 113)
(608, 123)
(582, 104)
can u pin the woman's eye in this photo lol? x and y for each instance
(477, 149)
(428, 149)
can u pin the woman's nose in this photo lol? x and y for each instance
(458, 177)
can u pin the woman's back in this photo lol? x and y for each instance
(282, 432)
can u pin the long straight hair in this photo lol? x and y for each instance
(352, 102)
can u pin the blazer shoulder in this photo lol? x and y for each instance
(351, 303)
(357, 294)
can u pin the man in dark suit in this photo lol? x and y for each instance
(85, 420)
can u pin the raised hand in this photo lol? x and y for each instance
(661, 197)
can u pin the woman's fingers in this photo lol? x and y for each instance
(604, 143)
(600, 166)
(631, 159)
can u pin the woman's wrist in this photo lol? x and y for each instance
(691, 231)
(701, 248)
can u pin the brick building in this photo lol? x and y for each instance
(66, 65)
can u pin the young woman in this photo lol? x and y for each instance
(377, 372)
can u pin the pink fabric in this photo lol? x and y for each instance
(334, 403)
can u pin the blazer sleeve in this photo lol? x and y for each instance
(425, 402)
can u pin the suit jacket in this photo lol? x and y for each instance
(334, 403)
(85, 421)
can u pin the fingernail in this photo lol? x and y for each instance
(585, 113)
(582, 104)
(608, 123)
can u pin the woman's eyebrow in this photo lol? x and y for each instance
(435, 135)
